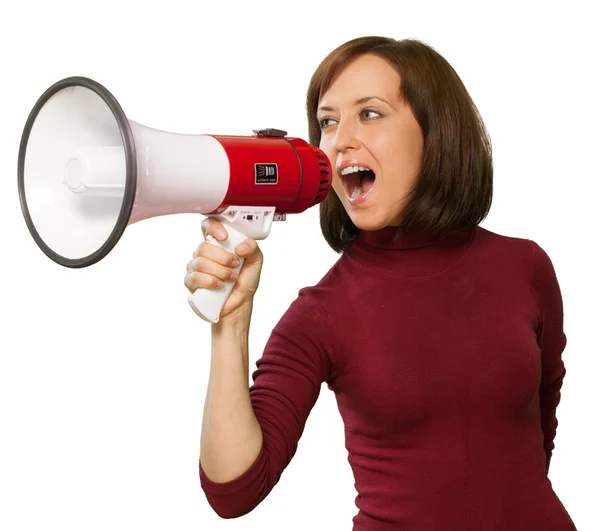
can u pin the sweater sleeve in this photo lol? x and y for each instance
(286, 384)
(552, 341)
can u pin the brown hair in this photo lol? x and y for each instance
(454, 188)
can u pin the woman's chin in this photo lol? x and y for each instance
(373, 218)
(367, 221)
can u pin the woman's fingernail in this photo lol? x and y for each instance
(235, 262)
(241, 249)
(221, 233)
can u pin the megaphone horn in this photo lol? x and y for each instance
(86, 172)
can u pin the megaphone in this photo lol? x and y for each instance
(86, 172)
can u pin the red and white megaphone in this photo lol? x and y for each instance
(86, 172)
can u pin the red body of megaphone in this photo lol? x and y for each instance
(86, 172)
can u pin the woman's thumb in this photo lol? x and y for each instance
(249, 251)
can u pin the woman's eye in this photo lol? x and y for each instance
(367, 114)
(371, 111)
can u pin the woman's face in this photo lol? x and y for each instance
(365, 125)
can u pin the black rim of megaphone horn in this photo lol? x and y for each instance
(130, 180)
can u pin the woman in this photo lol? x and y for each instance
(441, 340)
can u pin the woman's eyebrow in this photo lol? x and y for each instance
(360, 101)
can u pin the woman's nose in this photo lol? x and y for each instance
(345, 136)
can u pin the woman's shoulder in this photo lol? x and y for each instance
(494, 237)
(518, 251)
(330, 285)
(505, 246)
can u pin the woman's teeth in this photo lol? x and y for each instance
(352, 169)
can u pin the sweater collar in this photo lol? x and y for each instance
(410, 255)
(393, 238)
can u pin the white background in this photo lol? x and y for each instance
(103, 371)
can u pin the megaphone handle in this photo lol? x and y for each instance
(208, 303)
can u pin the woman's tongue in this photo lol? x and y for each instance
(362, 184)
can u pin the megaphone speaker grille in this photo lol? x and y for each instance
(77, 172)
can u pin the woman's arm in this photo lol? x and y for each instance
(251, 434)
(552, 342)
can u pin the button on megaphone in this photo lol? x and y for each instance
(86, 172)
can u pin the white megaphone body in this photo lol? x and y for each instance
(86, 172)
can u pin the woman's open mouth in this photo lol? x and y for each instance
(358, 182)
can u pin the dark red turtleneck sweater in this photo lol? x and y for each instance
(445, 357)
